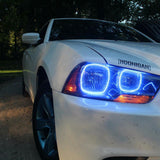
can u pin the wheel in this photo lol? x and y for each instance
(24, 92)
(44, 124)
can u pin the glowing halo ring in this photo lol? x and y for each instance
(106, 84)
(131, 90)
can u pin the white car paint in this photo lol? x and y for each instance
(85, 132)
(90, 129)
(76, 53)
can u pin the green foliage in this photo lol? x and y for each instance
(19, 16)
(9, 69)
(10, 65)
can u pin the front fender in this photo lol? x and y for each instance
(60, 59)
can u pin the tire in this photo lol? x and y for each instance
(43, 123)
(24, 92)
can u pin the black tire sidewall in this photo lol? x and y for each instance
(24, 92)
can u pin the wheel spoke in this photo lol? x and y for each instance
(48, 106)
(50, 145)
(43, 123)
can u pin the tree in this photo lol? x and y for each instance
(18, 16)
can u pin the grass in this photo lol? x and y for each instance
(9, 69)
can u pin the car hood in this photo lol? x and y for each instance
(144, 56)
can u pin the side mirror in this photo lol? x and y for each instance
(30, 38)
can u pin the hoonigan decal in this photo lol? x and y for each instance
(135, 64)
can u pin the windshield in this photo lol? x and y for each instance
(93, 29)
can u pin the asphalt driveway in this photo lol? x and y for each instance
(16, 139)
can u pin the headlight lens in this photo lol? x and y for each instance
(112, 83)
(94, 79)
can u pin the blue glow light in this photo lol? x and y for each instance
(130, 81)
(94, 79)
(109, 82)
(150, 84)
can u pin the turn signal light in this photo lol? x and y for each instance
(71, 85)
(133, 99)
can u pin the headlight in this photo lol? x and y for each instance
(112, 83)
(94, 79)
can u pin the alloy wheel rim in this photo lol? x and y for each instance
(45, 125)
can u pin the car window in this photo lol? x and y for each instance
(149, 27)
(92, 29)
(42, 31)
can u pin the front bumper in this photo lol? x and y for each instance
(90, 129)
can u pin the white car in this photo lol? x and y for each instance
(95, 88)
